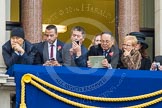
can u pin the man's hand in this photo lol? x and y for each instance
(51, 63)
(55, 63)
(160, 67)
(17, 48)
(89, 64)
(105, 63)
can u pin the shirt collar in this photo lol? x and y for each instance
(106, 50)
(54, 44)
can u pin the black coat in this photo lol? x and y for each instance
(31, 55)
(42, 48)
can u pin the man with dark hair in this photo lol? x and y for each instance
(18, 50)
(50, 50)
(72, 52)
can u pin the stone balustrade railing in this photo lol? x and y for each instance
(7, 91)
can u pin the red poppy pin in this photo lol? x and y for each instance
(59, 48)
(111, 54)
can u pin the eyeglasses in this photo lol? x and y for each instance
(105, 41)
(126, 45)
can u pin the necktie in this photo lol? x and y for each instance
(105, 53)
(51, 55)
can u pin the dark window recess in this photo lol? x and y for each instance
(149, 32)
(10, 25)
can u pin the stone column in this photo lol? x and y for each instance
(158, 27)
(31, 16)
(128, 17)
(3, 32)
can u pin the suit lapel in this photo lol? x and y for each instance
(57, 53)
(109, 56)
(45, 52)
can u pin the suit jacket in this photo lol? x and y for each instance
(72, 60)
(31, 55)
(44, 53)
(112, 56)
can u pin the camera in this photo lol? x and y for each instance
(156, 65)
(77, 42)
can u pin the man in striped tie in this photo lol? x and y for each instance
(51, 49)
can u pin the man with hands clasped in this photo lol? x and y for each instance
(18, 50)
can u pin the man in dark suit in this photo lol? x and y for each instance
(18, 50)
(72, 51)
(51, 49)
(107, 49)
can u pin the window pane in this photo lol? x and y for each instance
(15, 11)
(95, 16)
(150, 49)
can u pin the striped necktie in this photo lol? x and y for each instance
(104, 53)
(51, 54)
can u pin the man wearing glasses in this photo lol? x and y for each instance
(107, 49)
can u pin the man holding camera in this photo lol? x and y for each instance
(72, 52)
(157, 64)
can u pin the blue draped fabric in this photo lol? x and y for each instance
(95, 82)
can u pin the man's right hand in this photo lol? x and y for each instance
(51, 63)
(89, 64)
(76, 48)
(16, 47)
